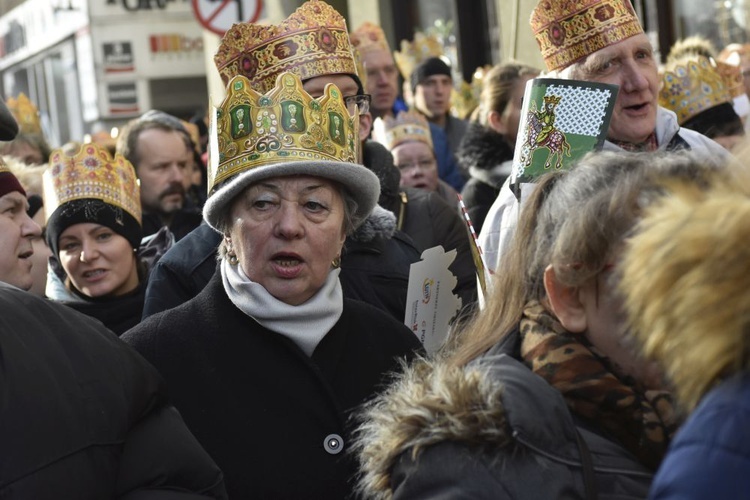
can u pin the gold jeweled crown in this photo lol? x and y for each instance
(91, 172)
(466, 98)
(571, 30)
(692, 86)
(406, 126)
(414, 53)
(286, 124)
(25, 113)
(313, 41)
(733, 78)
(368, 37)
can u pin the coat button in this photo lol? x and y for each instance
(333, 444)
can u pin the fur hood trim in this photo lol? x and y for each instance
(686, 281)
(381, 223)
(484, 149)
(427, 404)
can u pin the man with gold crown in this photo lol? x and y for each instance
(29, 145)
(375, 268)
(382, 84)
(268, 362)
(600, 41)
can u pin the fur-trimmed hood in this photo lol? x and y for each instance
(486, 154)
(381, 223)
(686, 282)
(495, 403)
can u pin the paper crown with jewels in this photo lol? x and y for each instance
(571, 30)
(313, 41)
(25, 113)
(691, 86)
(414, 53)
(735, 82)
(369, 37)
(466, 97)
(284, 132)
(91, 173)
(405, 127)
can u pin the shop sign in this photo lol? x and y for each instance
(118, 57)
(172, 43)
(123, 98)
(137, 5)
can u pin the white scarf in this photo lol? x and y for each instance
(305, 324)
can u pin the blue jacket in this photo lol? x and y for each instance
(710, 456)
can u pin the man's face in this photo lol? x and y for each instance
(382, 80)
(432, 97)
(631, 65)
(16, 249)
(163, 165)
(348, 87)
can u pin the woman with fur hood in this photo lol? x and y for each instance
(541, 396)
(687, 289)
(487, 148)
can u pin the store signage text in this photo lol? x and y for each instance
(136, 5)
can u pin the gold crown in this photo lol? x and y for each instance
(414, 53)
(554, 99)
(369, 37)
(284, 125)
(407, 126)
(569, 31)
(26, 114)
(466, 98)
(91, 172)
(692, 86)
(733, 78)
(313, 41)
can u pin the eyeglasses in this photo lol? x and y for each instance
(423, 164)
(360, 101)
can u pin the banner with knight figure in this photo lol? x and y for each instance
(561, 121)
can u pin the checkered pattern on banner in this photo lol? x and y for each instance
(581, 110)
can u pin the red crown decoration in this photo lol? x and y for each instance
(313, 41)
(691, 86)
(570, 30)
(90, 172)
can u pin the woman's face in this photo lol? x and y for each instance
(286, 231)
(98, 261)
(512, 113)
(416, 162)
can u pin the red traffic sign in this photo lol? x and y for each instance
(219, 15)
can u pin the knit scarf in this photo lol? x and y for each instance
(305, 324)
(649, 144)
(642, 420)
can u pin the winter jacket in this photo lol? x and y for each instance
(502, 218)
(273, 418)
(489, 159)
(710, 456)
(84, 416)
(492, 430)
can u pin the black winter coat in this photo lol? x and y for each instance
(84, 416)
(488, 158)
(273, 418)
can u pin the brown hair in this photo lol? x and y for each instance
(498, 87)
(573, 221)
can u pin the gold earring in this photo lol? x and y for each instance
(232, 258)
(336, 262)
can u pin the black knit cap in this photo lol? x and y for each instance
(428, 68)
(97, 212)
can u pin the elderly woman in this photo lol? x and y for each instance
(267, 362)
(94, 232)
(542, 395)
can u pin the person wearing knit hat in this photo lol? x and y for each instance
(601, 41)
(94, 231)
(18, 230)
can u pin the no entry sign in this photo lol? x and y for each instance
(219, 15)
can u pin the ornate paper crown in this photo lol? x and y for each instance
(571, 30)
(91, 173)
(285, 125)
(407, 126)
(733, 78)
(313, 41)
(466, 98)
(414, 53)
(368, 37)
(692, 86)
(26, 114)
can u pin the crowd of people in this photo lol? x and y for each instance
(184, 318)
